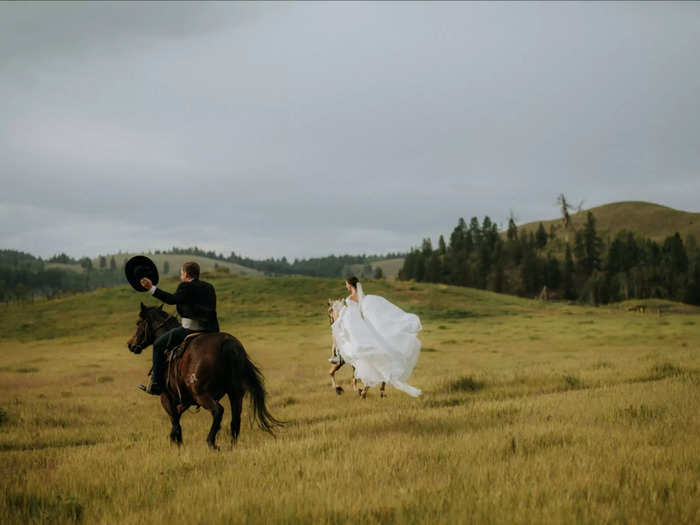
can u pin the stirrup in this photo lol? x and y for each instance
(152, 388)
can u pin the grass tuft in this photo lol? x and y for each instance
(440, 403)
(30, 508)
(572, 382)
(642, 413)
(666, 370)
(464, 384)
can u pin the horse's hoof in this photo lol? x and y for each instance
(382, 394)
(339, 390)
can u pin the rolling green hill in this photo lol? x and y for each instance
(390, 267)
(648, 219)
(244, 299)
(175, 261)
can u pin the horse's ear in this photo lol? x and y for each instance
(330, 302)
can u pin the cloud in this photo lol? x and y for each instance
(304, 129)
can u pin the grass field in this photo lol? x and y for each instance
(531, 413)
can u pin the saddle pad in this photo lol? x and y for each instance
(179, 351)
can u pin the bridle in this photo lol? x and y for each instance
(149, 332)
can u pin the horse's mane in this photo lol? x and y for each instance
(334, 306)
(154, 314)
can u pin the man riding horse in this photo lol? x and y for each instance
(215, 364)
(196, 304)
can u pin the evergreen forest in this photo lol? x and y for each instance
(564, 263)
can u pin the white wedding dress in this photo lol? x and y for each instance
(380, 340)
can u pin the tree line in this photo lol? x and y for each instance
(541, 263)
(329, 266)
(24, 276)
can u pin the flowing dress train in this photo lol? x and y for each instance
(380, 340)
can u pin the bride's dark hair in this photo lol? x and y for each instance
(352, 281)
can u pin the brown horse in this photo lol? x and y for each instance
(214, 365)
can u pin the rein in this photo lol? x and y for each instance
(162, 323)
(152, 329)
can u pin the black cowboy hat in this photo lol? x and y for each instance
(139, 267)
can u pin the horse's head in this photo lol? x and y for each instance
(334, 307)
(145, 331)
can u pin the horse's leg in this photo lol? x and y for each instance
(236, 399)
(174, 413)
(381, 390)
(217, 413)
(334, 369)
(363, 392)
(354, 380)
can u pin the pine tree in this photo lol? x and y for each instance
(433, 269)
(528, 273)
(512, 233)
(442, 247)
(541, 237)
(588, 247)
(498, 274)
(458, 235)
(419, 274)
(568, 277)
(552, 276)
(474, 232)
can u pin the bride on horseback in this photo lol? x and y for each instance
(378, 339)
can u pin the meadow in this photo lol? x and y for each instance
(531, 412)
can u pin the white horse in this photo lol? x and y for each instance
(334, 307)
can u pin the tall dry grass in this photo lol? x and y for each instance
(531, 413)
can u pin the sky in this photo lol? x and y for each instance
(305, 129)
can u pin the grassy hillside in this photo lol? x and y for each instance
(531, 413)
(63, 266)
(390, 267)
(206, 264)
(651, 220)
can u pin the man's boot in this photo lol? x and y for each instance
(153, 387)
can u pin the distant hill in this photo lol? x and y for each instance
(65, 266)
(390, 268)
(651, 220)
(175, 261)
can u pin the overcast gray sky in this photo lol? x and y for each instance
(304, 129)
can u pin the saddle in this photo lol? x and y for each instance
(178, 351)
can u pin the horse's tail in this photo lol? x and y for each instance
(254, 382)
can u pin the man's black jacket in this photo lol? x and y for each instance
(195, 300)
